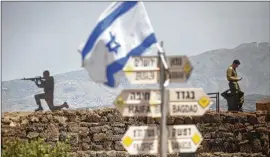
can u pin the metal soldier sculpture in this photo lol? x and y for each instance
(47, 82)
(236, 93)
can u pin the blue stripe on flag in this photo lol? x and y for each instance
(105, 23)
(118, 65)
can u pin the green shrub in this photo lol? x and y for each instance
(35, 148)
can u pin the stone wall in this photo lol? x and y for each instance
(263, 105)
(98, 132)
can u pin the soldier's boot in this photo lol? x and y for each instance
(40, 108)
(54, 108)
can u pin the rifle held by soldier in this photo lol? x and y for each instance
(33, 78)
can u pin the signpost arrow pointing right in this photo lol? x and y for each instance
(188, 102)
(184, 138)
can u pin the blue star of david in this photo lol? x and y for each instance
(112, 45)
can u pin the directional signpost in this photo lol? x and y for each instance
(184, 138)
(153, 103)
(139, 102)
(188, 102)
(141, 140)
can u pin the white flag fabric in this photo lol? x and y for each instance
(123, 30)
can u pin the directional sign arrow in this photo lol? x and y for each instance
(188, 102)
(142, 70)
(184, 138)
(141, 140)
(139, 102)
(180, 68)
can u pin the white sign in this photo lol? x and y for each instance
(180, 68)
(139, 102)
(141, 140)
(184, 138)
(142, 70)
(141, 63)
(188, 102)
(143, 77)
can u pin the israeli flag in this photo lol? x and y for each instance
(123, 30)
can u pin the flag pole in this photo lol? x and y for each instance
(163, 142)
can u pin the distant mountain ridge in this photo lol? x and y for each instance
(209, 73)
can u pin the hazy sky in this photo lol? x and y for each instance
(45, 35)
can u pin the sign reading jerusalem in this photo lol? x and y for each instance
(142, 70)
